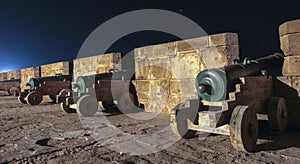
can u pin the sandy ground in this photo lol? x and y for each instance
(44, 133)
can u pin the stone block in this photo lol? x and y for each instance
(286, 80)
(221, 56)
(160, 69)
(183, 86)
(289, 27)
(192, 44)
(223, 39)
(142, 69)
(3, 76)
(291, 66)
(186, 64)
(13, 74)
(153, 86)
(296, 84)
(290, 44)
(96, 64)
(27, 73)
(64, 68)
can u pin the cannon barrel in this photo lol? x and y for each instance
(83, 82)
(215, 84)
(34, 82)
(11, 81)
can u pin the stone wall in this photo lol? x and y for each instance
(14, 74)
(165, 73)
(96, 64)
(28, 73)
(10, 75)
(290, 44)
(64, 68)
(3, 76)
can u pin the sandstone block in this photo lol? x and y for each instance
(142, 69)
(27, 73)
(215, 57)
(64, 68)
(160, 69)
(13, 74)
(291, 66)
(153, 86)
(223, 39)
(3, 76)
(192, 44)
(296, 84)
(289, 27)
(186, 64)
(96, 64)
(290, 44)
(157, 103)
(183, 86)
(286, 80)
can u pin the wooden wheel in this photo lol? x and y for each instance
(21, 99)
(53, 97)
(34, 98)
(179, 118)
(277, 113)
(64, 101)
(14, 91)
(127, 103)
(109, 106)
(65, 106)
(243, 129)
(63, 93)
(87, 105)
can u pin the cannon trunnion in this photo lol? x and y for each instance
(107, 87)
(12, 86)
(51, 86)
(232, 100)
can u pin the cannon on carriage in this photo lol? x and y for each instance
(51, 86)
(109, 88)
(232, 99)
(12, 86)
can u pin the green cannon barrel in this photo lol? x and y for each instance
(11, 81)
(84, 82)
(215, 84)
(33, 82)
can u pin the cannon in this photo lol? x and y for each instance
(51, 86)
(12, 86)
(232, 100)
(106, 87)
(215, 84)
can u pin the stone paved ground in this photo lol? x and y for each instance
(38, 134)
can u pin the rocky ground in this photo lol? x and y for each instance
(44, 133)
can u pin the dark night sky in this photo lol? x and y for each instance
(36, 32)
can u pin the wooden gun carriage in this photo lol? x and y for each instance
(232, 100)
(51, 86)
(106, 87)
(12, 86)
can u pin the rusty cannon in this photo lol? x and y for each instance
(51, 86)
(12, 86)
(109, 88)
(232, 99)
